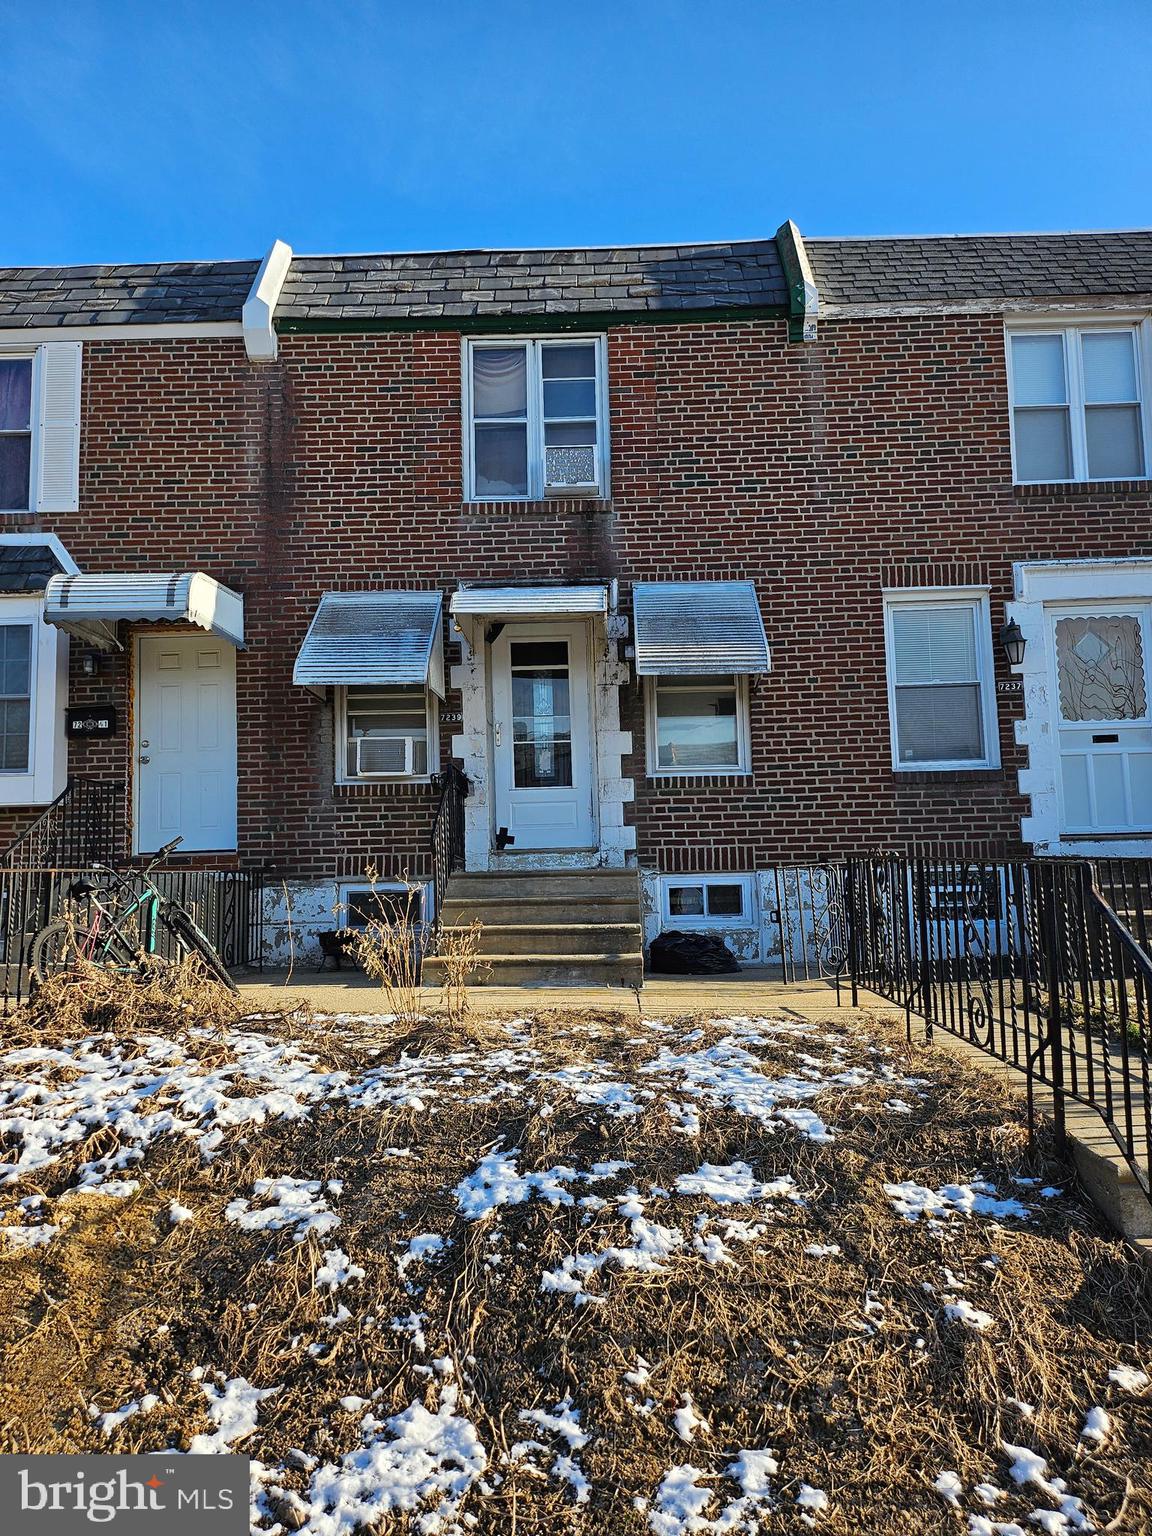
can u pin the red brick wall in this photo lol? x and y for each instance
(879, 454)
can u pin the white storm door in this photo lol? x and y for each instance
(542, 737)
(185, 743)
(1103, 717)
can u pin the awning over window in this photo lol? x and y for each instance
(380, 638)
(687, 627)
(90, 607)
(529, 602)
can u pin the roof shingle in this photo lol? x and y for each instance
(953, 268)
(157, 293)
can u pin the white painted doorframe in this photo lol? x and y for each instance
(551, 817)
(184, 748)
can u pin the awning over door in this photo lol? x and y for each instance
(693, 627)
(90, 607)
(529, 602)
(373, 638)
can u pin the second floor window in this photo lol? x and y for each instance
(535, 413)
(15, 434)
(1079, 404)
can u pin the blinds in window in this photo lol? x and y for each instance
(934, 645)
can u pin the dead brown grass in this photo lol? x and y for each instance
(816, 1357)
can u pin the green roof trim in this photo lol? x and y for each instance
(487, 325)
(803, 294)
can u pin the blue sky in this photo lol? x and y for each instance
(204, 128)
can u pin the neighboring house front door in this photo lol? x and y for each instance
(542, 737)
(1104, 717)
(185, 743)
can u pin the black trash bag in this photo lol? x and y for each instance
(690, 954)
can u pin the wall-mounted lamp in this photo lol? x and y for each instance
(1013, 641)
(90, 664)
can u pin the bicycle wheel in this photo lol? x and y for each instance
(54, 949)
(195, 941)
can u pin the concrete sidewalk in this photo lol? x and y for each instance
(751, 991)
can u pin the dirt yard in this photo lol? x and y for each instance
(561, 1273)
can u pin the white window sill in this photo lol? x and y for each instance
(699, 773)
(391, 778)
(945, 767)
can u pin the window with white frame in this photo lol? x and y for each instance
(941, 698)
(15, 697)
(698, 724)
(535, 416)
(700, 901)
(15, 434)
(384, 904)
(385, 733)
(1079, 402)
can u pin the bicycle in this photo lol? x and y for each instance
(112, 938)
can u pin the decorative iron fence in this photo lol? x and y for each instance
(810, 918)
(226, 904)
(82, 825)
(1026, 959)
(446, 842)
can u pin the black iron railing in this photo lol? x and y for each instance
(227, 905)
(446, 842)
(1026, 959)
(810, 917)
(83, 824)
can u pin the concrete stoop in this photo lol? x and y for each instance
(548, 927)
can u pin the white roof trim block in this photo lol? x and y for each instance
(693, 627)
(512, 602)
(259, 311)
(373, 638)
(90, 607)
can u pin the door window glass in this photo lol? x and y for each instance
(541, 715)
(1100, 668)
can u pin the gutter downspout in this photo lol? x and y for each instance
(259, 310)
(803, 294)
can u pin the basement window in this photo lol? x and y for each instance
(384, 904)
(715, 901)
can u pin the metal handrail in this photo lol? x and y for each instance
(80, 824)
(446, 843)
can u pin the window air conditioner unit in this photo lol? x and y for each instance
(380, 757)
(570, 467)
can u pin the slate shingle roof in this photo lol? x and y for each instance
(155, 293)
(952, 268)
(27, 567)
(461, 283)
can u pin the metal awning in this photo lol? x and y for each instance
(529, 602)
(692, 627)
(90, 607)
(380, 638)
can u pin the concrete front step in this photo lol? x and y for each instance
(557, 938)
(533, 911)
(557, 970)
(555, 885)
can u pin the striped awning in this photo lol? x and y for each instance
(90, 606)
(529, 602)
(373, 638)
(692, 627)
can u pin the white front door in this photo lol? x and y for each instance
(542, 737)
(1104, 717)
(185, 743)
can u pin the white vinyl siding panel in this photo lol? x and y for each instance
(58, 434)
(1080, 406)
(940, 685)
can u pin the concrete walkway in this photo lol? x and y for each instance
(751, 991)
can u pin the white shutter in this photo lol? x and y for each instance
(58, 428)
